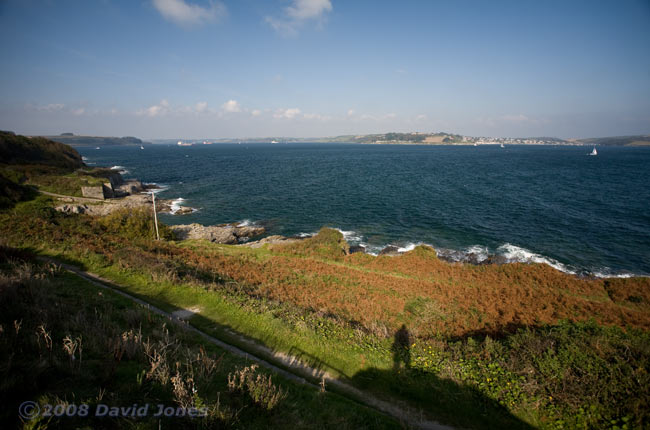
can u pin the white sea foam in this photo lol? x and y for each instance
(481, 253)
(176, 205)
(606, 272)
(160, 188)
(84, 158)
(408, 247)
(516, 254)
(247, 223)
(350, 236)
(120, 169)
(306, 234)
(371, 249)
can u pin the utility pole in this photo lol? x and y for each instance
(155, 216)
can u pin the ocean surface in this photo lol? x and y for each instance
(552, 204)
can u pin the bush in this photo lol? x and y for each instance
(328, 243)
(134, 224)
(11, 192)
(259, 387)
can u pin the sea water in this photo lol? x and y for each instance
(551, 204)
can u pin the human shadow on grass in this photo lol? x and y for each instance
(438, 398)
(424, 394)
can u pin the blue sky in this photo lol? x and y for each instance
(249, 68)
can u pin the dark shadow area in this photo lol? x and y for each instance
(425, 394)
(12, 193)
(401, 349)
(437, 398)
(315, 362)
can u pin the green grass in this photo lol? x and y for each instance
(112, 365)
(547, 376)
(55, 180)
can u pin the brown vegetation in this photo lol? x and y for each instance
(431, 296)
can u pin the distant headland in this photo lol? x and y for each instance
(80, 140)
(391, 138)
(423, 138)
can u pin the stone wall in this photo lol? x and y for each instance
(93, 192)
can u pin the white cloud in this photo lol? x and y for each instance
(79, 111)
(351, 112)
(201, 107)
(160, 109)
(231, 106)
(290, 113)
(390, 116)
(256, 112)
(52, 107)
(299, 12)
(182, 13)
(308, 9)
(420, 117)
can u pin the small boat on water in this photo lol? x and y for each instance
(594, 152)
(98, 147)
(502, 145)
(141, 147)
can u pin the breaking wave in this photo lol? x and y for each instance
(479, 254)
(247, 223)
(177, 204)
(516, 254)
(120, 169)
(351, 237)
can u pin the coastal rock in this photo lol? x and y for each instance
(183, 210)
(130, 187)
(225, 233)
(165, 206)
(495, 259)
(249, 231)
(72, 209)
(390, 250)
(272, 240)
(357, 248)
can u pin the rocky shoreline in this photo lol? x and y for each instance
(223, 233)
(131, 194)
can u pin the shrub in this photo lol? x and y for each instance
(134, 224)
(259, 387)
(328, 243)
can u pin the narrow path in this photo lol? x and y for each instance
(297, 370)
(79, 199)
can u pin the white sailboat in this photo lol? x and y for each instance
(594, 152)
(502, 145)
(141, 147)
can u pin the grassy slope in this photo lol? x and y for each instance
(48, 165)
(341, 312)
(17, 149)
(126, 354)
